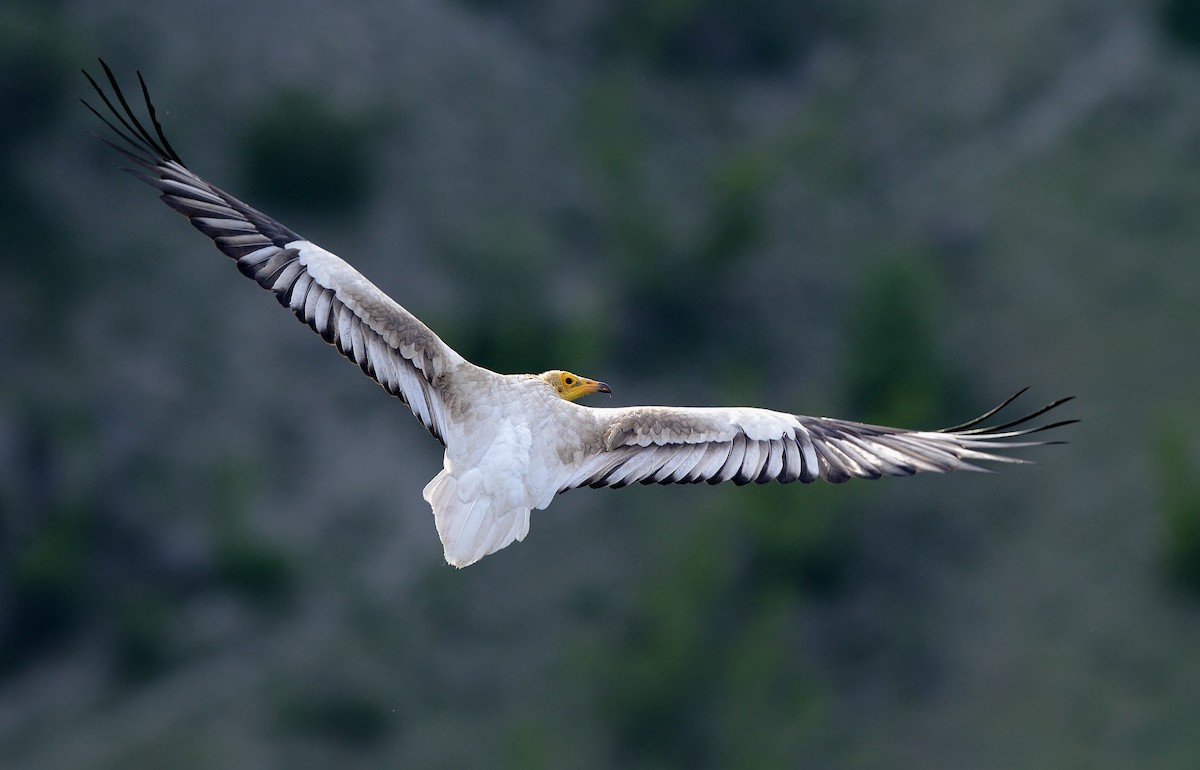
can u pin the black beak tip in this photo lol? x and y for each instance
(603, 388)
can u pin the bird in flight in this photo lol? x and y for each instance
(514, 441)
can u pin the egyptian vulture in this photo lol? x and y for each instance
(514, 441)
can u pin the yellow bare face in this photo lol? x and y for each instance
(571, 386)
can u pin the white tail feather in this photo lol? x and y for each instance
(471, 522)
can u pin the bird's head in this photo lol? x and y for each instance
(571, 386)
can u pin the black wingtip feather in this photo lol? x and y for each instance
(986, 415)
(976, 426)
(138, 128)
(158, 130)
(132, 131)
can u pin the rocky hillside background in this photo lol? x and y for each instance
(213, 548)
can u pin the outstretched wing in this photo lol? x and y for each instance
(669, 445)
(390, 344)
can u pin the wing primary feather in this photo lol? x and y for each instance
(176, 186)
(878, 452)
(986, 415)
(864, 464)
(344, 322)
(637, 466)
(297, 293)
(137, 126)
(162, 137)
(751, 464)
(687, 472)
(1022, 420)
(811, 471)
(976, 427)
(269, 272)
(250, 262)
(938, 456)
(285, 281)
(193, 205)
(316, 309)
(130, 135)
(989, 434)
(680, 464)
(773, 465)
(737, 452)
(220, 225)
(793, 463)
(710, 463)
(111, 126)
(834, 465)
(600, 476)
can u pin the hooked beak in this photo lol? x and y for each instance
(602, 387)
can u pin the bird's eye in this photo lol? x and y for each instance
(569, 380)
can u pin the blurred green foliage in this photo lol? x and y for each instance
(144, 622)
(689, 675)
(800, 540)
(672, 286)
(35, 49)
(737, 643)
(895, 373)
(51, 526)
(301, 152)
(734, 221)
(510, 259)
(324, 707)
(730, 600)
(1179, 480)
(1181, 21)
(254, 569)
(690, 38)
(78, 562)
(48, 595)
(246, 564)
(700, 37)
(35, 56)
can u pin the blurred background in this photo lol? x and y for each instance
(213, 547)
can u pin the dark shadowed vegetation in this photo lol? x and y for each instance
(213, 547)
